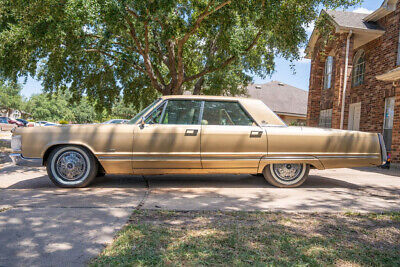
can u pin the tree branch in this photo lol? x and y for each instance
(132, 32)
(135, 66)
(207, 70)
(181, 42)
(202, 16)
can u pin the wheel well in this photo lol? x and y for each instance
(50, 149)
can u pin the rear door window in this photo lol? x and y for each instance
(225, 113)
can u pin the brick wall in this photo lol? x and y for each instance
(380, 57)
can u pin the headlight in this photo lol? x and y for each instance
(16, 143)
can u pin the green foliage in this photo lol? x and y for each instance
(57, 107)
(10, 96)
(102, 48)
(60, 107)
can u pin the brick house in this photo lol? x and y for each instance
(362, 66)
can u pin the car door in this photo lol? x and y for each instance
(170, 137)
(230, 138)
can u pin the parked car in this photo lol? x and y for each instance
(196, 135)
(40, 123)
(26, 123)
(51, 124)
(116, 121)
(18, 123)
(5, 125)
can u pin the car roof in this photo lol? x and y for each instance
(205, 97)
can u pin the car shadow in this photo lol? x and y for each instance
(183, 181)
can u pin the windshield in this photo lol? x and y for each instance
(140, 114)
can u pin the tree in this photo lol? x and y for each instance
(101, 48)
(58, 107)
(10, 97)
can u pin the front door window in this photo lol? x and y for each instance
(388, 122)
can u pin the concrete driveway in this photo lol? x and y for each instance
(45, 225)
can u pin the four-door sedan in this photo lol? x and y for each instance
(194, 135)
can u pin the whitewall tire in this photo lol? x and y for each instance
(286, 175)
(71, 166)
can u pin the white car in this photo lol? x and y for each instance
(116, 121)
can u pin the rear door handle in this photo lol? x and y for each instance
(191, 132)
(255, 134)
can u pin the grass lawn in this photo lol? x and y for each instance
(5, 146)
(255, 238)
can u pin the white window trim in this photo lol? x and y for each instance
(356, 65)
(328, 72)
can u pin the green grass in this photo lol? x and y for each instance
(5, 146)
(169, 238)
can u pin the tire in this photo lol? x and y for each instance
(299, 173)
(71, 166)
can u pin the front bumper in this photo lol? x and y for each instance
(19, 160)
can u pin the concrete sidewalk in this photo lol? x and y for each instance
(49, 226)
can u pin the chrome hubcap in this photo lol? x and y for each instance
(71, 165)
(287, 172)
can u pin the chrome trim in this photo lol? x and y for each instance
(289, 157)
(347, 157)
(189, 158)
(19, 160)
(383, 149)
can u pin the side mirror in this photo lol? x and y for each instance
(142, 123)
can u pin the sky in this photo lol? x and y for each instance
(299, 76)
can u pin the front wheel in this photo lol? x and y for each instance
(71, 166)
(286, 175)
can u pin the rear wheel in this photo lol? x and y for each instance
(287, 174)
(71, 166)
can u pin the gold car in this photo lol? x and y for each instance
(194, 135)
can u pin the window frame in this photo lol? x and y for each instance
(356, 65)
(229, 101)
(329, 75)
(202, 104)
(325, 112)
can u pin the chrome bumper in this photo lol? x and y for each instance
(19, 160)
(383, 149)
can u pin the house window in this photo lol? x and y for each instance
(358, 68)
(328, 72)
(398, 51)
(388, 122)
(325, 118)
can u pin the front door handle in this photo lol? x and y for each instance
(191, 132)
(255, 134)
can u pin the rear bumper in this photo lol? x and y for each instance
(19, 160)
(383, 149)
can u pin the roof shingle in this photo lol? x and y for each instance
(352, 20)
(280, 97)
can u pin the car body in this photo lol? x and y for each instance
(16, 122)
(51, 124)
(26, 123)
(40, 123)
(116, 121)
(195, 135)
(6, 125)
